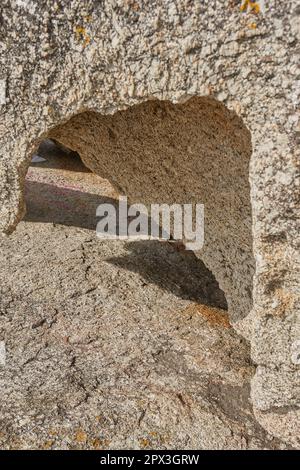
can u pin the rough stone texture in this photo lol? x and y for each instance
(61, 59)
(110, 345)
(151, 154)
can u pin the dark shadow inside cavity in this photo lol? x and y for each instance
(66, 198)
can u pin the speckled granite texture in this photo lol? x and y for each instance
(65, 65)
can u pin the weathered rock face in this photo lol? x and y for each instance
(68, 68)
(158, 152)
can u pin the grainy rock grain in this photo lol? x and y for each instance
(177, 100)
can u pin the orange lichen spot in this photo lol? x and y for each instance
(144, 442)
(80, 31)
(106, 443)
(252, 25)
(253, 6)
(132, 4)
(47, 445)
(80, 436)
(81, 35)
(96, 444)
(283, 302)
(214, 316)
(135, 6)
